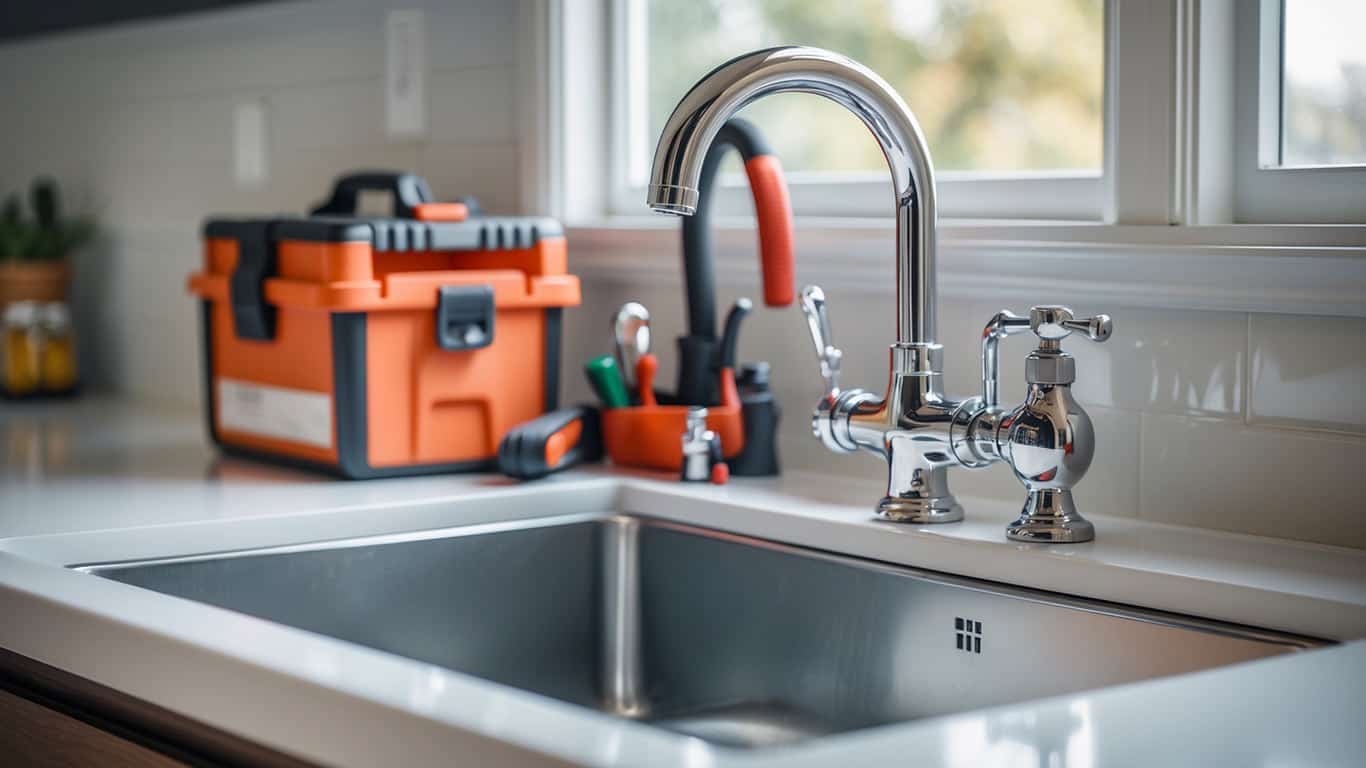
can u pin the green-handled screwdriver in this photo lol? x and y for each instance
(605, 378)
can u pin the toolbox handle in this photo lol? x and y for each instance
(408, 189)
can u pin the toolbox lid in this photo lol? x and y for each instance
(483, 233)
(333, 260)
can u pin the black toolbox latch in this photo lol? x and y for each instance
(252, 317)
(464, 316)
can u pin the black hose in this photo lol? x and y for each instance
(700, 283)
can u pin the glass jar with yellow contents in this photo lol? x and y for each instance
(22, 349)
(57, 357)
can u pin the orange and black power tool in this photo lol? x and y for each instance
(551, 442)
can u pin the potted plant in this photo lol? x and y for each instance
(34, 247)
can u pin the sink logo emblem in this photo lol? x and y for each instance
(969, 634)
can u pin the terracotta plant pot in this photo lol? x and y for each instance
(33, 281)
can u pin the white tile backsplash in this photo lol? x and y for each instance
(328, 115)
(472, 106)
(155, 340)
(1272, 482)
(259, 47)
(1171, 361)
(136, 122)
(1111, 485)
(1309, 372)
(306, 175)
(486, 171)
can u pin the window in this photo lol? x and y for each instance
(1323, 83)
(997, 86)
(1142, 112)
(1009, 94)
(1300, 152)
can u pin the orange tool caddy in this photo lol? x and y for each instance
(649, 435)
(375, 347)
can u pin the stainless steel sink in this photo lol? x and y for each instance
(735, 640)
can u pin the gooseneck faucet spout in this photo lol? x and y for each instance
(742, 80)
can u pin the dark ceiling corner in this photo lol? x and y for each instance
(31, 18)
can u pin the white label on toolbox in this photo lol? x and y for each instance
(287, 414)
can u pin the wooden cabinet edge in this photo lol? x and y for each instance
(49, 717)
(33, 735)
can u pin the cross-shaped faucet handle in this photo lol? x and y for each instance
(1055, 323)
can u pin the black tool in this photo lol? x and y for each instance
(760, 412)
(552, 442)
(731, 336)
(758, 408)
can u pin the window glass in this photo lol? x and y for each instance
(997, 85)
(1323, 88)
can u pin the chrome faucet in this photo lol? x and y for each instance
(914, 427)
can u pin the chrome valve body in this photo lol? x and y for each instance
(1047, 440)
(917, 429)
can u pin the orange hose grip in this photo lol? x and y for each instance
(773, 209)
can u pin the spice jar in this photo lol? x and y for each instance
(22, 343)
(57, 368)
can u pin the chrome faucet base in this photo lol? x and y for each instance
(920, 511)
(917, 479)
(1051, 517)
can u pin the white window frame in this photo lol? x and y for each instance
(1264, 190)
(1172, 84)
(1077, 195)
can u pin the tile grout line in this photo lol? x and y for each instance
(1142, 417)
(1247, 374)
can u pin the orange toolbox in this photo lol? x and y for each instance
(375, 347)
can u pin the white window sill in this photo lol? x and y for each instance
(1295, 269)
(1035, 230)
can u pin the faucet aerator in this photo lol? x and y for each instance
(671, 199)
(672, 210)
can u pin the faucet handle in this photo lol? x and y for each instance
(818, 322)
(1055, 323)
(1050, 323)
(1097, 328)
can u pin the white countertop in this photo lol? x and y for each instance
(105, 480)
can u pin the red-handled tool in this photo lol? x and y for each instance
(552, 442)
(645, 378)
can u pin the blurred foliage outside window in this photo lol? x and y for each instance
(1324, 82)
(997, 85)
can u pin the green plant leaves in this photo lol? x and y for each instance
(46, 235)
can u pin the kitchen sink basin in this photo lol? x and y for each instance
(735, 640)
